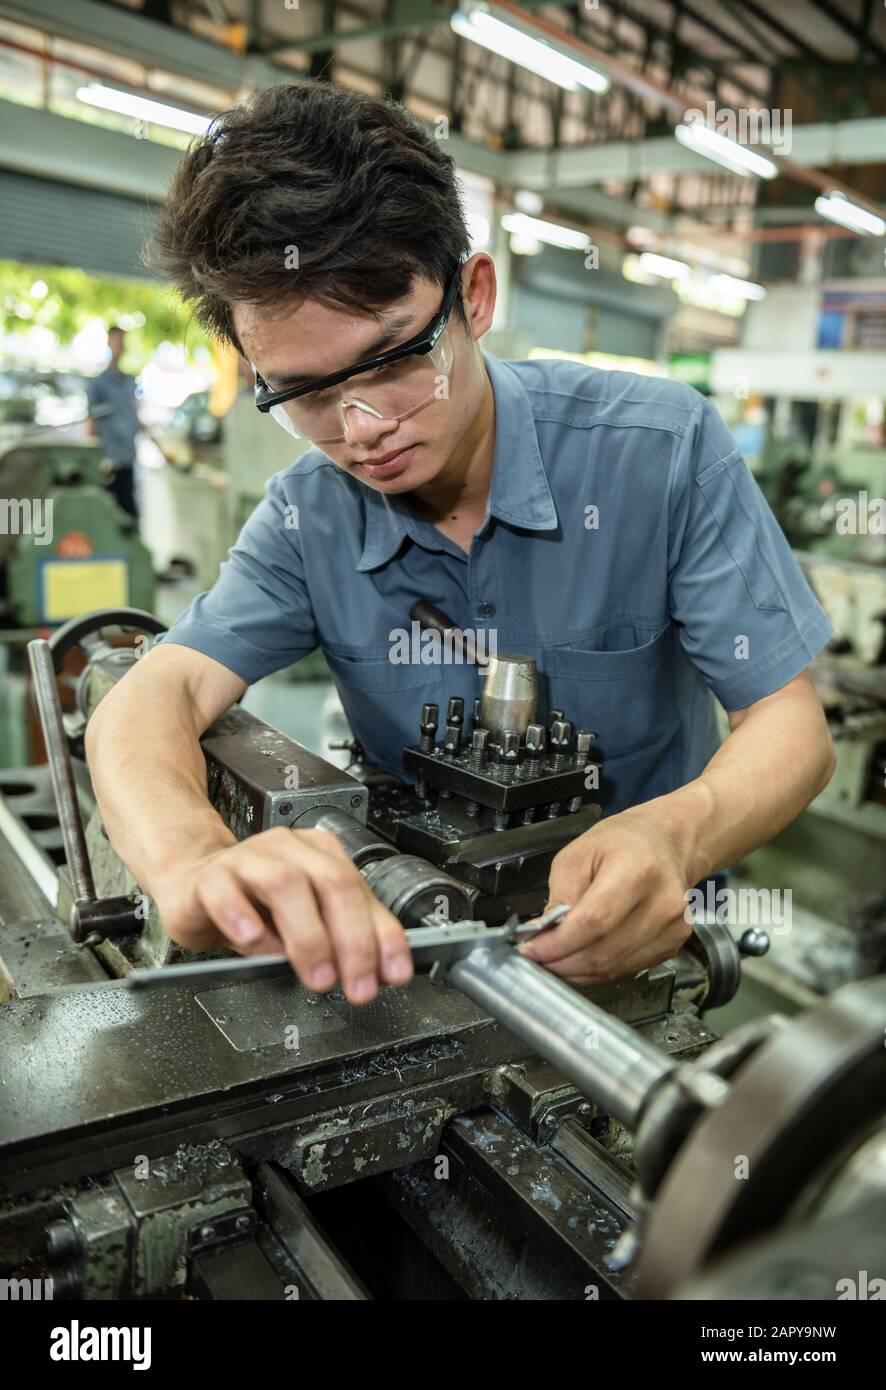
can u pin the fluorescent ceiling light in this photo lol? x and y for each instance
(699, 137)
(527, 200)
(663, 266)
(536, 229)
(519, 45)
(729, 284)
(142, 108)
(836, 208)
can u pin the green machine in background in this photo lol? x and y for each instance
(66, 546)
(816, 495)
(831, 861)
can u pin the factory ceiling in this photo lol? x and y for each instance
(605, 158)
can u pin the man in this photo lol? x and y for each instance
(598, 521)
(114, 419)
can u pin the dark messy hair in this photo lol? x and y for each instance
(358, 186)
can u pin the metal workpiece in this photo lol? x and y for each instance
(510, 694)
(412, 889)
(606, 1059)
(362, 844)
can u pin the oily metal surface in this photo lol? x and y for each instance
(791, 1108)
(80, 1064)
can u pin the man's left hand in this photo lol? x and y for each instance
(626, 881)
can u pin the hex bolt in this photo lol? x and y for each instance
(500, 820)
(479, 745)
(509, 749)
(555, 715)
(583, 740)
(561, 732)
(207, 1232)
(455, 711)
(430, 717)
(536, 738)
(451, 739)
(561, 736)
(529, 815)
(472, 808)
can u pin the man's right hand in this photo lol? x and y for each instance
(295, 891)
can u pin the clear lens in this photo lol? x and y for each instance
(389, 393)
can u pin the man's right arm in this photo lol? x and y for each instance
(281, 890)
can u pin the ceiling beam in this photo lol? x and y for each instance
(777, 27)
(866, 41)
(129, 35)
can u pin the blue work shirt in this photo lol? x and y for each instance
(111, 397)
(626, 547)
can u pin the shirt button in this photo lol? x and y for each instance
(485, 610)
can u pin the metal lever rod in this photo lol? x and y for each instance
(61, 769)
(433, 619)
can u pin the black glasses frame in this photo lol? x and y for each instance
(423, 342)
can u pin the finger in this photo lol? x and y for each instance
(345, 906)
(637, 945)
(393, 944)
(287, 892)
(229, 908)
(607, 901)
(664, 947)
(394, 957)
(568, 878)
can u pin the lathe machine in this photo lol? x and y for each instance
(178, 1126)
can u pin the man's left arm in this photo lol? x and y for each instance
(628, 876)
(749, 622)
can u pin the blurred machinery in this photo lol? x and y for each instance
(178, 1125)
(817, 497)
(211, 478)
(833, 857)
(65, 544)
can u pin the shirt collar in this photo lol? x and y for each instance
(520, 493)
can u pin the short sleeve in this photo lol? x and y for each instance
(257, 617)
(746, 615)
(95, 395)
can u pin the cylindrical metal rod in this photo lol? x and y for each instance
(60, 769)
(605, 1058)
(433, 619)
(361, 843)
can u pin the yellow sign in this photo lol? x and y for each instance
(73, 587)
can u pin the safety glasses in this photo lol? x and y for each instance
(392, 385)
